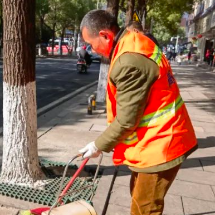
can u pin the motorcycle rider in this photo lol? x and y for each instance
(83, 54)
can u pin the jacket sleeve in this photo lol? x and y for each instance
(133, 76)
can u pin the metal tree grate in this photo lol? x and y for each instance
(49, 163)
(47, 196)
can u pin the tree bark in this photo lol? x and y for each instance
(41, 28)
(130, 11)
(102, 84)
(53, 37)
(113, 8)
(61, 40)
(142, 10)
(20, 155)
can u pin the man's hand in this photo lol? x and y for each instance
(90, 151)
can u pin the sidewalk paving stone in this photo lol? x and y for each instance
(193, 163)
(198, 95)
(204, 154)
(199, 177)
(120, 196)
(96, 127)
(198, 129)
(198, 207)
(192, 190)
(114, 209)
(208, 166)
(99, 200)
(186, 96)
(173, 205)
(8, 211)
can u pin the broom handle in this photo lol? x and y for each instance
(73, 178)
(63, 193)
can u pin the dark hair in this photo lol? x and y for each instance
(135, 25)
(97, 20)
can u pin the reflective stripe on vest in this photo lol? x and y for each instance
(132, 139)
(168, 110)
(157, 55)
(152, 118)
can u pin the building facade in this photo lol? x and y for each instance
(202, 27)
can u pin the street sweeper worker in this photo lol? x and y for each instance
(149, 127)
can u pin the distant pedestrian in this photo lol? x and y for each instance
(214, 60)
(207, 56)
(169, 55)
(189, 56)
(179, 59)
(174, 56)
(211, 57)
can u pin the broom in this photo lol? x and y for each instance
(39, 211)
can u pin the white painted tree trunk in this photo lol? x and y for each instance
(102, 84)
(20, 156)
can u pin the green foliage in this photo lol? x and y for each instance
(163, 35)
(166, 15)
(43, 33)
(42, 8)
(68, 13)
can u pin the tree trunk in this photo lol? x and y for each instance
(20, 157)
(41, 28)
(53, 37)
(142, 11)
(61, 40)
(130, 11)
(113, 8)
(102, 84)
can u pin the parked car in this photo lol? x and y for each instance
(66, 47)
(93, 55)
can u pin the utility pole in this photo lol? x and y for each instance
(176, 44)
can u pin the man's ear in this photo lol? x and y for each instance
(104, 34)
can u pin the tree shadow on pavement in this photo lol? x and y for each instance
(207, 142)
(194, 79)
(206, 146)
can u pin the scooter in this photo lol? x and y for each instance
(81, 65)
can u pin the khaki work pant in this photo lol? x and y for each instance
(148, 191)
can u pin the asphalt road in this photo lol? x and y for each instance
(56, 78)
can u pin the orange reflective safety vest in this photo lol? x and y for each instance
(165, 131)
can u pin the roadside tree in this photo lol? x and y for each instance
(42, 9)
(113, 8)
(20, 163)
(65, 14)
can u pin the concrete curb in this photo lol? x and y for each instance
(18, 204)
(63, 99)
(58, 102)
